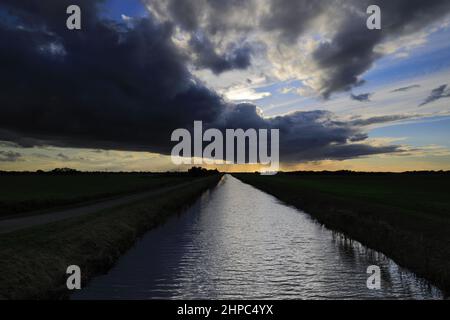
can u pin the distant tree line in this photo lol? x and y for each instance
(194, 171)
(199, 172)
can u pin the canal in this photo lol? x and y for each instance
(237, 242)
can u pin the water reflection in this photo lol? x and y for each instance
(238, 242)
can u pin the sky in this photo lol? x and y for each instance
(108, 96)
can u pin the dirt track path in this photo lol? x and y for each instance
(14, 224)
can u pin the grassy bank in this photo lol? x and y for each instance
(25, 192)
(405, 216)
(33, 262)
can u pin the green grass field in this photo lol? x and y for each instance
(20, 193)
(416, 193)
(406, 216)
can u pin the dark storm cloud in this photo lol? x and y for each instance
(436, 94)
(318, 135)
(414, 86)
(110, 85)
(346, 57)
(351, 52)
(314, 135)
(364, 97)
(215, 14)
(308, 136)
(344, 151)
(127, 87)
(206, 56)
(186, 13)
(292, 17)
(9, 156)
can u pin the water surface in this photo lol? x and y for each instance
(239, 242)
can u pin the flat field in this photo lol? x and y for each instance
(25, 192)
